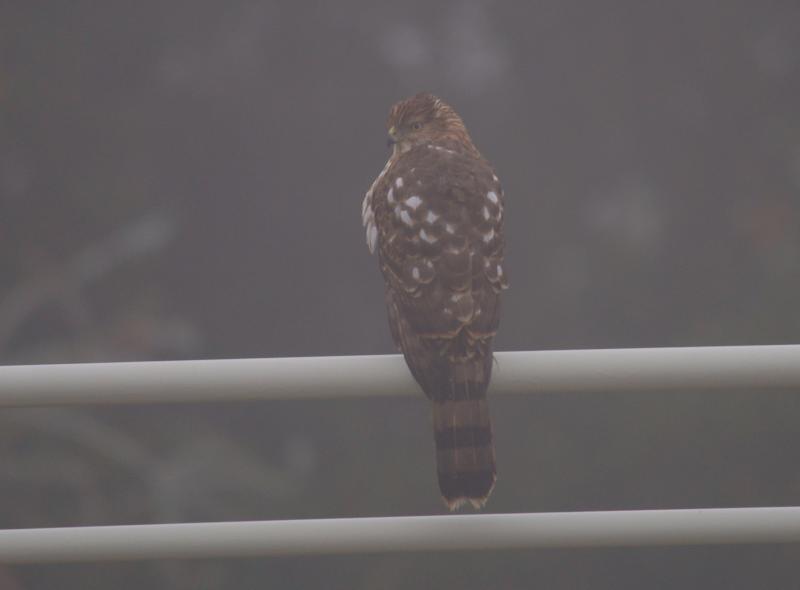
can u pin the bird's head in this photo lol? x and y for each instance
(423, 119)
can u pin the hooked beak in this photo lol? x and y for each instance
(392, 139)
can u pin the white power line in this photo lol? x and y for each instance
(411, 533)
(295, 378)
(642, 369)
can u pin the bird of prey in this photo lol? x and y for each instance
(434, 216)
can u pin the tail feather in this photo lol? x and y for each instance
(465, 459)
(454, 372)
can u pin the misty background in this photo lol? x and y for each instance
(184, 180)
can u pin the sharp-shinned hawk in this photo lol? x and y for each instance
(434, 215)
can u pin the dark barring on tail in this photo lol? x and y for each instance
(434, 217)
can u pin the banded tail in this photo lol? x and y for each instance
(465, 460)
(454, 372)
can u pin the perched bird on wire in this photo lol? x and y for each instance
(434, 215)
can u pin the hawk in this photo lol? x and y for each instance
(434, 215)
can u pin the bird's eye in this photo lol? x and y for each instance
(416, 126)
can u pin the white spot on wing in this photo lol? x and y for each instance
(367, 214)
(488, 236)
(492, 196)
(428, 238)
(372, 237)
(415, 273)
(486, 212)
(431, 217)
(413, 201)
(368, 218)
(439, 148)
(398, 182)
(390, 196)
(406, 218)
(450, 228)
